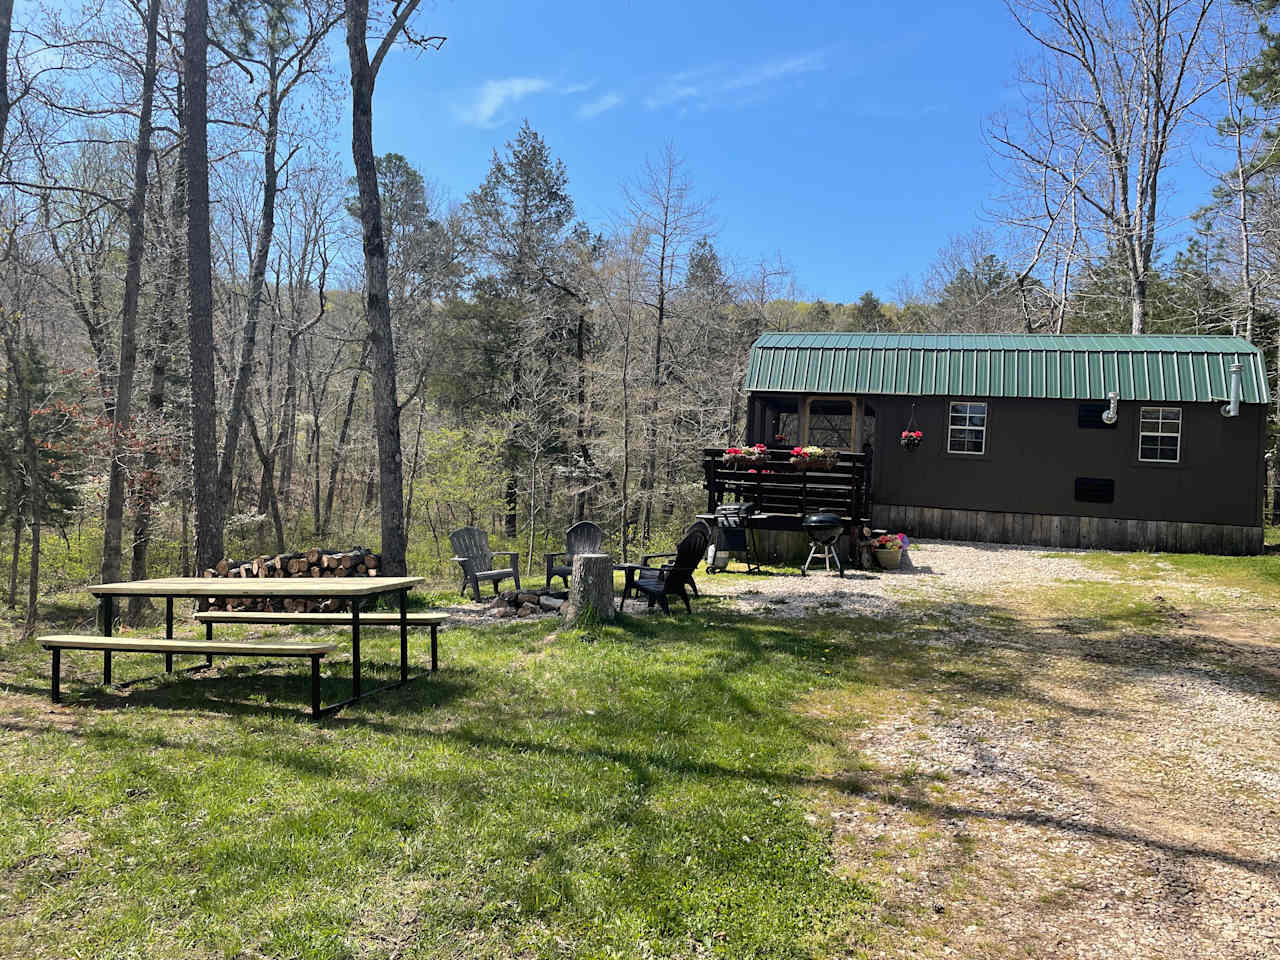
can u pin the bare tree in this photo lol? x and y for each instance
(113, 528)
(663, 211)
(1108, 96)
(386, 403)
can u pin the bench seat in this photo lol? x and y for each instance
(417, 619)
(424, 618)
(147, 645)
(56, 643)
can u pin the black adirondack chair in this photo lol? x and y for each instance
(471, 546)
(583, 537)
(659, 583)
(647, 558)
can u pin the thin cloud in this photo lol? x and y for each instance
(599, 105)
(494, 95)
(775, 70)
(724, 84)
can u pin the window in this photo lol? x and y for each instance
(1159, 434)
(967, 429)
(831, 423)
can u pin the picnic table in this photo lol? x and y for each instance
(354, 590)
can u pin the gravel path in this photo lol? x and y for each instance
(930, 571)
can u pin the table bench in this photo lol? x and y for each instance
(418, 619)
(56, 643)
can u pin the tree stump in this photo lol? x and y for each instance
(590, 589)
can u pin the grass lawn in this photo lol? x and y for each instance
(643, 792)
(977, 775)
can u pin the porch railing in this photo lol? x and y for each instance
(777, 486)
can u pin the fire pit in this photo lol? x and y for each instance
(824, 530)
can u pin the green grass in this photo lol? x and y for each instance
(639, 793)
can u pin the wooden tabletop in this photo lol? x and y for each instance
(255, 587)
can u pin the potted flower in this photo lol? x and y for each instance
(911, 438)
(888, 550)
(743, 457)
(813, 458)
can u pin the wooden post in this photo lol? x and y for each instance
(590, 589)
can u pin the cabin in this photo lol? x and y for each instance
(1118, 442)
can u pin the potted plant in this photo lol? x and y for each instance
(813, 458)
(888, 550)
(911, 438)
(743, 457)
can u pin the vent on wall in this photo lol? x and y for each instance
(1095, 490)
(1091, 417)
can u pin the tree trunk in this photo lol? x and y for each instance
(136, 212)
(204, 419)
(340, 445)
(590, 590)
(386, 404)
(17, 549)
(6, 23)
(257, 280)
(165, 324)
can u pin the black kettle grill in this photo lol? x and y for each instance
(824, 530)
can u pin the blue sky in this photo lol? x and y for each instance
(846, 137)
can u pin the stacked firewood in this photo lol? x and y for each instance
(356, 562)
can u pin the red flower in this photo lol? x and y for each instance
(918, 434)
(797, 451)
(760, 446)
(733, 450)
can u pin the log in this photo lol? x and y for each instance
(590, 590)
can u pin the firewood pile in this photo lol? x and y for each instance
(316, 562)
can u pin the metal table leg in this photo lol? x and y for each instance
(168, 632)
(404, 636)
(355, 648)
(106, 604)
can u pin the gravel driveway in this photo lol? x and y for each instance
(1062, 784)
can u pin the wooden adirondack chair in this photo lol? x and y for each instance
(659, 583)
(583, 537)
(471, 546)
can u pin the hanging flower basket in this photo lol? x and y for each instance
(743, 458)
(911, 436)
(813, 458)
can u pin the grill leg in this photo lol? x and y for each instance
(56, 691)
(804, 571)
(434, 663)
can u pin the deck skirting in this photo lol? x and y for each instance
(987, 526)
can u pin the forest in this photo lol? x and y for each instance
(228, 331)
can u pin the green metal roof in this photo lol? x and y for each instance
(1078, 367)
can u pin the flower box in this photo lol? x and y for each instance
(814, 458)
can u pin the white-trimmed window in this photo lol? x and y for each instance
(967, 427)
(1159, 434)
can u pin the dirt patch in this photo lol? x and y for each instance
(1122, 801)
